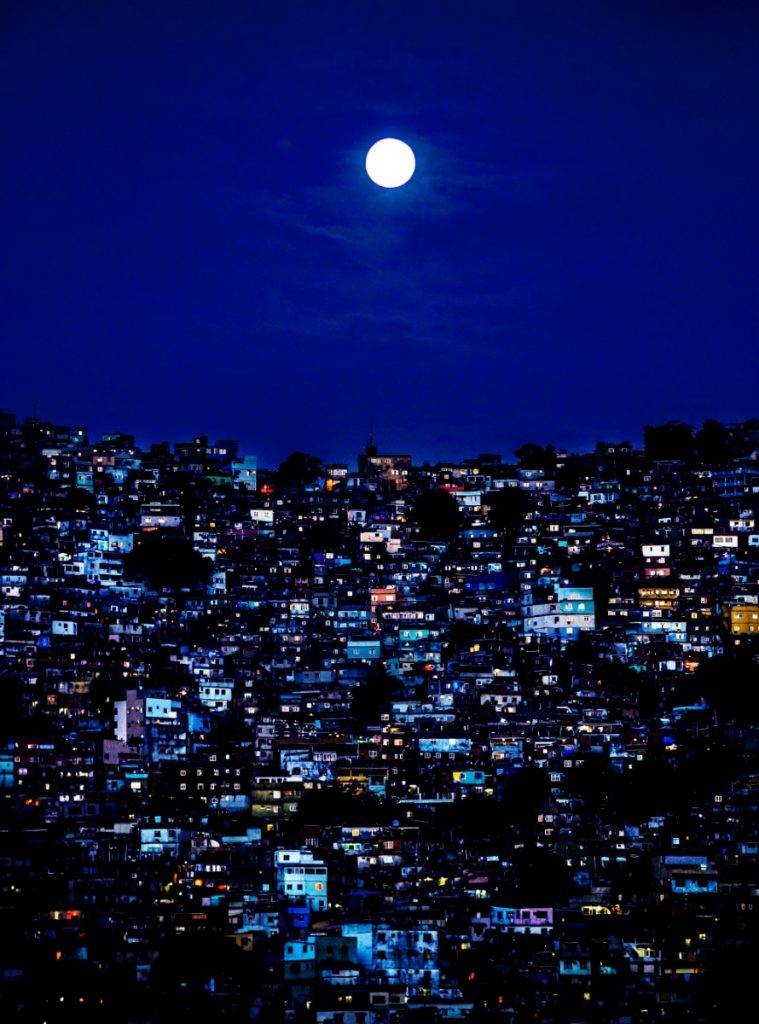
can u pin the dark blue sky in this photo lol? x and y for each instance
(191, 244)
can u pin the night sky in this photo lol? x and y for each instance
(190, 242)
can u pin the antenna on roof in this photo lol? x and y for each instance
(371, 444)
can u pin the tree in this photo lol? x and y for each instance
(598, 577)
(730, 684)
(167, 560)
(713, 443)
(371, 697)
(574, 470)
(522, 793)
(672, 441)
(535, 456)
(591, 780)
(300, 469)
(460, 637)
(189, 969)
(472, 818)
(539, 877)
(436, 513)
(14, 708)
(322, 536)
(333, 805)
(78, 500)
(506, 512)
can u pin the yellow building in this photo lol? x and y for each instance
(658, 597)
(743, 619)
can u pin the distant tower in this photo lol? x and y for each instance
(371, 445)
(369, 452)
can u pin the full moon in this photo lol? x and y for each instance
(390, 163)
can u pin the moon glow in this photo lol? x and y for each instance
(390, 163)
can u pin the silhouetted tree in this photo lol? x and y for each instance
(591, 781)
(371, 697)
(461, 636)
(506, 512)
(670, 441)
(300, 469)
(713, 443)
(535, 456)
(436, 513)
(473, 818)
(78, 499)
(324, 536)
(333, 805)
(166, 560)
(651, 786)
(189, 969)
(538, 877)
(729, 977)
(13, 715)
(598, 577)
(573, 470)
(523, 793)
(730, 684)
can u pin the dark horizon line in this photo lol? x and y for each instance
(144, 444)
